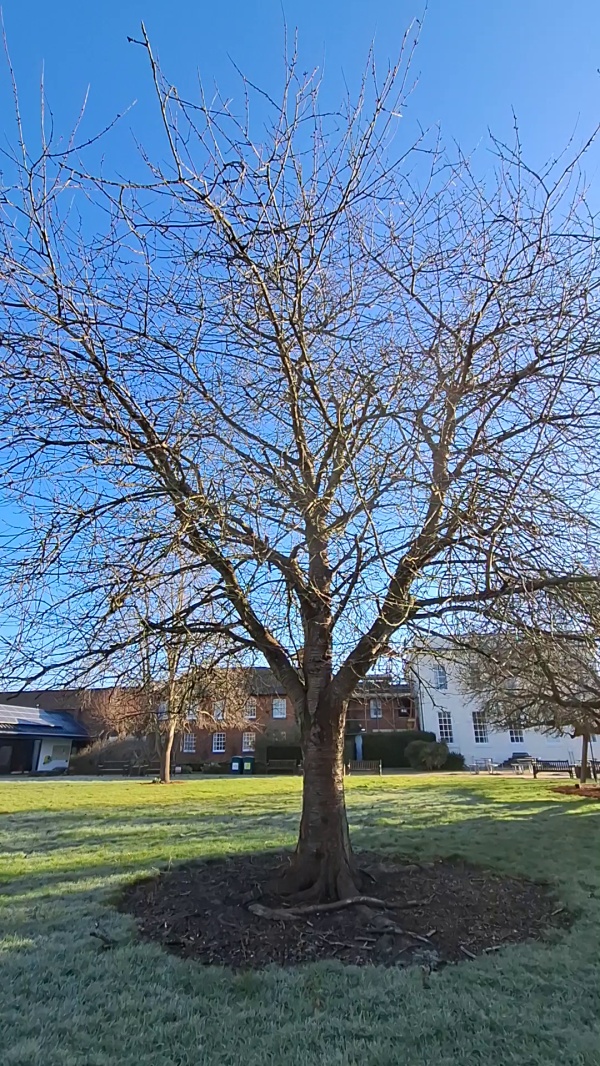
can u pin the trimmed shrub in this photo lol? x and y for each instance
(216, 768)
(455, 761)
(122, 749)
(391, 747)
(424, 755)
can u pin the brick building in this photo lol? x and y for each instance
(378, 705)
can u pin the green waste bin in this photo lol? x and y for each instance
(248, 764)
(237, 765)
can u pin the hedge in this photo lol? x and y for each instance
(391, 747)
(455, 761)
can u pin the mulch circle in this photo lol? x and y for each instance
(587, 792)
(446, 911)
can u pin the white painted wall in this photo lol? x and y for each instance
(54, 755)
(499, 746)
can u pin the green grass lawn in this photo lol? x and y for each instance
(66, 846)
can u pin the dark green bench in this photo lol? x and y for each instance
(282, 766)
(365, 766)
(122, 767)
(552, 766)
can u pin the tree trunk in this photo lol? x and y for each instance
(583, 773)
(166, 750)
(323, 868)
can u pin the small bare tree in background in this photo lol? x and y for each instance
(196, 692)
(114, 711)
(172, 676)
(353, 386)
(538, 665)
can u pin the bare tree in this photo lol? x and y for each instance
(171, 678)
(195, 693)
(539, 667)
(114, 711)
(353, 386)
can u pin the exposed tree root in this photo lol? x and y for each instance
(314, 882)
(282, 914)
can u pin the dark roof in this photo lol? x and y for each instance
(33, 722)
(262, 683)
(52, 699)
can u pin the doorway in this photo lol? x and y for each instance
(16, 756)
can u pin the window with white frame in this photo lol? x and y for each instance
(440, 677)
(250, 709)
(189, 742)
(162, 711)
(445, 731)
(279, 708)
(218, 710)
(218, 744)
(192, 713)
(480, 728)
(248, 741)
(516, 734)
(375, 707)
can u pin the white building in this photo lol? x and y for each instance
(448, 710)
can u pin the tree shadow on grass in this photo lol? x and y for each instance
(76, 1002)
(555, 839)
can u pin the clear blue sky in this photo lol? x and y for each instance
(477, 59)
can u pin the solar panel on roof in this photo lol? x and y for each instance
(34, 720)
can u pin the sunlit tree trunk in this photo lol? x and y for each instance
(166, 750)
(583, 773)
(323, 867)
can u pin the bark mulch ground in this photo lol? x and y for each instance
(443, 912)
(587, 792)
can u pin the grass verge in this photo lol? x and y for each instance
(67, 845)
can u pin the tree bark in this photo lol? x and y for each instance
(166, 750)
(323, 868)
(583, 772)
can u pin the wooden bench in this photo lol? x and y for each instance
(145, 768)
(282, 766)
(552, 766)
(364, 766)
(129, 767)
(115, 766)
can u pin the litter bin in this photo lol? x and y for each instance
(237, 766)
(248, 764)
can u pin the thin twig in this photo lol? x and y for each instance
(466, 952)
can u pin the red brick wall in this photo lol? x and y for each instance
(278, 728)
(397, 713)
